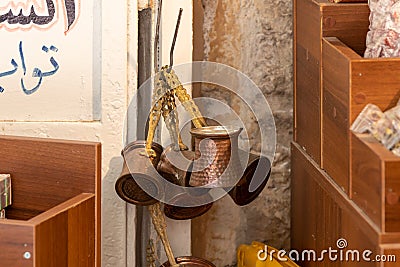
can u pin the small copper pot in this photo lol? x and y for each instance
(216, 157)
(190, 261)
(175, 166)
(253, 180)
(177, 212)
(138, 173)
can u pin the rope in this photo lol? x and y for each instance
(160, 225)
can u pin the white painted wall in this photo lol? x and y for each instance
(58, 54)
(114, 80)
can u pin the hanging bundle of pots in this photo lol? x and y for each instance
(185, 180)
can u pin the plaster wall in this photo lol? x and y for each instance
(110, 20)
(111, 66)
(254, 37)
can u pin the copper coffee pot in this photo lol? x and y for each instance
(139, 169)
(217, 161)
(253, 180)
(175, 166)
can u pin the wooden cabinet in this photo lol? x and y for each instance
(349, 83)
(314, 20)
(322, 214)
(54, 219)
(344, 186)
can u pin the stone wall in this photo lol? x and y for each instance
(254, 37)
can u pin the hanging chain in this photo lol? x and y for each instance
(151, 254)
(157, 39)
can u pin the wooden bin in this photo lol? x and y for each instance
(54, 219)
(350, 82)
(322, 214)
(376, 182)
(314, 20)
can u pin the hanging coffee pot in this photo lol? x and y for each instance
(138, 182)
(217, 161)
(175, 167)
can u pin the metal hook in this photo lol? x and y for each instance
(171, 54)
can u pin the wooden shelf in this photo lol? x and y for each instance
(322, 213)
(313, 21)
(350, 82)
(54, 219)
(343, 185)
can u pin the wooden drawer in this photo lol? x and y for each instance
(349, 83)
(322, 214)
(62, 236)
(313, 20)
(54, 218)
(376, 182)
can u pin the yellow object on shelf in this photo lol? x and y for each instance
(260, 255)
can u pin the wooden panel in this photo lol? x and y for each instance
(357, 240)
(315, 216)
(376, 185)
(294, 14)
(320, 18)
(392, 193)
(307, 97)
(348, 22)
(335, 141)
(355, 88)
(329, 215)
(366, 179)
(61, 170)
(308, 24)
(350, 82)
(336, 67)
(15, 239)
(313, 20)
(65, 235)
(389, 238)
(366, 87)
(304, 214)
(307, 90)
(51, 242)
(81, 235)
(349, 1)
(392, 255)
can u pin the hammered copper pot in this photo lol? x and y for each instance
(190, 261)
(139, 175)
(217, 161)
